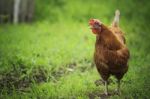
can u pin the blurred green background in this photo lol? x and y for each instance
(52, 57)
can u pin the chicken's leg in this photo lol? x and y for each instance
(106, 88)
(118, 87)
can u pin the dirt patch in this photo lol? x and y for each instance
(69, 68)
(57, 74)
(21, 78)
(100, 95)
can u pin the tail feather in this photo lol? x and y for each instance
(116, 19)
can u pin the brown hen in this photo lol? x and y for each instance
(111, 54)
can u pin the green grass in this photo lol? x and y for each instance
(60, 39)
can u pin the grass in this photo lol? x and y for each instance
(53, 55)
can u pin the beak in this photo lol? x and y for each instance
(94, 27)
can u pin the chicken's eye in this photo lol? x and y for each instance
(97, 24)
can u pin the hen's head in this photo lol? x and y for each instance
(95, 25)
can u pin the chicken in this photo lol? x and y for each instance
(111, 53)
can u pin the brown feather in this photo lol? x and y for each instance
(111, 55)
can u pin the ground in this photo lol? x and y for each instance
(52, 57)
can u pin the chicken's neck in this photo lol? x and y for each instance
(101, 37)
(107, 40)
